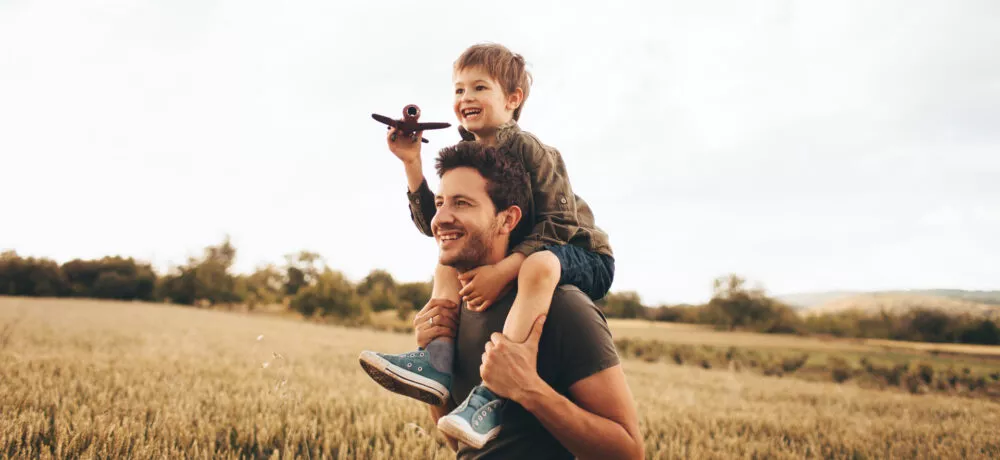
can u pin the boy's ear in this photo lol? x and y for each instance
(511, 217)
(514, 99)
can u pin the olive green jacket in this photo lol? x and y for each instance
(560, 216)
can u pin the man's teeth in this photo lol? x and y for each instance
(453, 236)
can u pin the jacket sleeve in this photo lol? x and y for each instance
(554, 204)
(422, 208)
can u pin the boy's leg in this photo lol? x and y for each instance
(478, 419)
(446, 286)
(536, 282)
(423, 374)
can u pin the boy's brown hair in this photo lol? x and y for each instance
(504, 66)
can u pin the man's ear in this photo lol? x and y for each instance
(509, 219)
(514, 99)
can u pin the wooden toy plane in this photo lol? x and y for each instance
(408, 125)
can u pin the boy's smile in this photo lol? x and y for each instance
(480, 103)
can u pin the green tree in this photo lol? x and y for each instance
(622, 305)
(331, 294)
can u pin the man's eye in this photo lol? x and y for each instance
(461, 203)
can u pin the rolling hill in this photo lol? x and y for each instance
(977, 303)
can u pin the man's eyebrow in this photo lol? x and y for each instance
(455, 197)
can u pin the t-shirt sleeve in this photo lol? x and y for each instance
(587, 345)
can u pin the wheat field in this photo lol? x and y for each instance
(99, 379)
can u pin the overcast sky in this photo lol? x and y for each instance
(805, 145)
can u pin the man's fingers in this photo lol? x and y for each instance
(440, 307)
(434, 332)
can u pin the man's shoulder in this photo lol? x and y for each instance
(572, 304)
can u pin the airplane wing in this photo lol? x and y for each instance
(386, 120)
(432, 125)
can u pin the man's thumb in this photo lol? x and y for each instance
(536, 330)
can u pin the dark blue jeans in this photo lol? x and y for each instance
(593, 273)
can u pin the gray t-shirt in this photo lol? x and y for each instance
(576, 343)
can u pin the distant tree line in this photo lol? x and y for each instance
(735, 306)
(305, 283)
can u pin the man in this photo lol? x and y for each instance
(567, 393)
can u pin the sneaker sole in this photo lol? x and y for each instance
(459, 428)
(402, 381)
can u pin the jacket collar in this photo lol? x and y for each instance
(504, 132)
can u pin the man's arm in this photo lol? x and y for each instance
(603, 422)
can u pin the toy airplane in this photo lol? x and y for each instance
(408, 125)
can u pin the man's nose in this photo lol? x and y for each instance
(443, 216)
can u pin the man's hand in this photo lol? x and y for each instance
(482, 286)
(509, 368)
(444, 314)
(403, 147)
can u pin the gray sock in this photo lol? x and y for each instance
(442, 354)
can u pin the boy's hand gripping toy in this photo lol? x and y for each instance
(408, 124)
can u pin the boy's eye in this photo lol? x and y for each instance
(481, 88)
(438, 204)
(459, 91)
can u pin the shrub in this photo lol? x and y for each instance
(792, 364)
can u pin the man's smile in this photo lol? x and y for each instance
(447, 237)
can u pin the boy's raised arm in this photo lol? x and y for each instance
(422, 207)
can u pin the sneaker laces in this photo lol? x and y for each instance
(480, 396)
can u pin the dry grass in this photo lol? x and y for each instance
(106, 379)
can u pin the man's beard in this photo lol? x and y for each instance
(476, 247)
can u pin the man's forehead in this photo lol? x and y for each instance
(462, 181)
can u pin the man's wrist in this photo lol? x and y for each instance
(531, 394)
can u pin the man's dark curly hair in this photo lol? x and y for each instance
(507, 181)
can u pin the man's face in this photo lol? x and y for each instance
(466, 226)
(480, 103)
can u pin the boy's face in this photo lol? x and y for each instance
(480, 103)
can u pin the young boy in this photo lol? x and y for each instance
(563, 245)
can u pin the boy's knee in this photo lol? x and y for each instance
(542, 266)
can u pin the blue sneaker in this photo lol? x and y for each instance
(477, 420)
(409, 374)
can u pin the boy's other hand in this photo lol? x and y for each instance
(482, 286)
(445, 321)
(403, 147)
